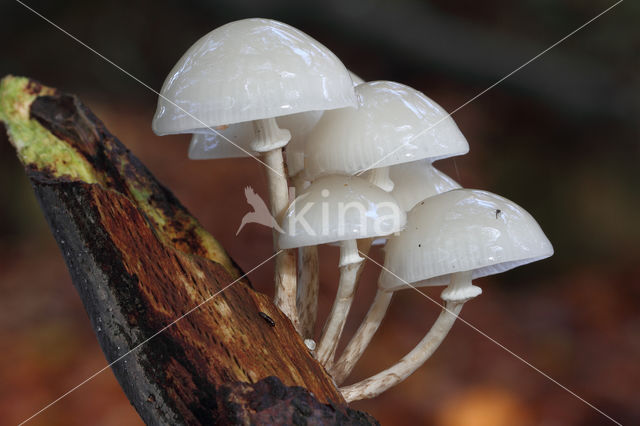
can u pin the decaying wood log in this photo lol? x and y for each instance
(139, 261)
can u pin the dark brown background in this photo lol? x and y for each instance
(559, 137)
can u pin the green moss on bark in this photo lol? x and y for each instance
(35, 145)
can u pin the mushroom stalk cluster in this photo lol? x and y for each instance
(375, 385)
(360, 156)
(342, 209)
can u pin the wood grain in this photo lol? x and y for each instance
(139, 261)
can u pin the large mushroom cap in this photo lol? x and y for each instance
(339, 208)
(207, 145)
(393, 124)
(462, 230)
(418, 180)
(249, 70)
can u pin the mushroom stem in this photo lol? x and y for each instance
(380, 178)
(349, 253)
(375, 385)
(269, 140)
(460, 289)
(364, 246)
(308, 282)
(361, 339)
(308, 287)
(349, 265)
(269, 136)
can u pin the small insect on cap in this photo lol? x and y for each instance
(459, 231)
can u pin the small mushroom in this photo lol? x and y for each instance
(393, 124)
(255, 70)
(414, 182)
(450, 240)
(344, 209)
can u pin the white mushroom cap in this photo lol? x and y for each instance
(462, 230)
(300, 125)
(418, 180)
(393, 124)
(249, 70)
(356, 79)
(414, 182)
(340, 208)
(208, 145)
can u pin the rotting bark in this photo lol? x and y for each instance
(139, 261)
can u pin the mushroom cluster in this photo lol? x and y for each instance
(359, 156)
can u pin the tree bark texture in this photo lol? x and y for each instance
(140, 261)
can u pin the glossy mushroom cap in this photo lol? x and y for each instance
(417, 181)
(249, 70)
(393, 124)
(209, 145)
(356, 79)
(462, 230)
(339, 208)
(300, 125)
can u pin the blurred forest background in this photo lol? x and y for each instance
(560, 137)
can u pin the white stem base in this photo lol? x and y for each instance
(285, 286)
(268, 134)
